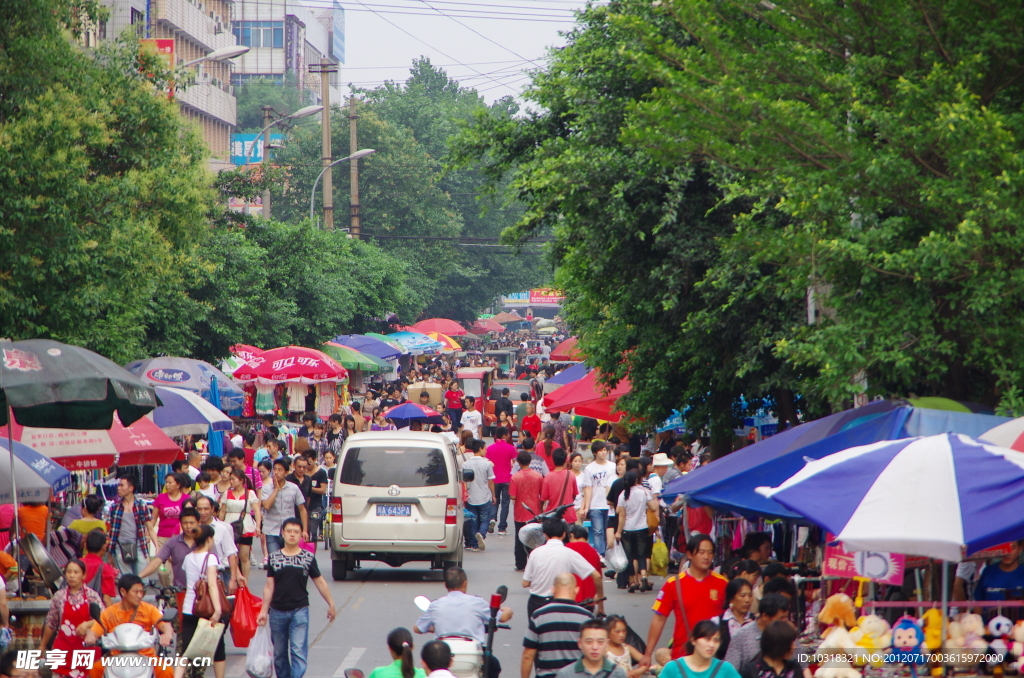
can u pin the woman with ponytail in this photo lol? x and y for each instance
(400, 647)
(547, 446)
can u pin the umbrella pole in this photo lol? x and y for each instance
(945, 601)
(15, 527)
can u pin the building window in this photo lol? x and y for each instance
(259, 33)
(138, 20)
(246, 78)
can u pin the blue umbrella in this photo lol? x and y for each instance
(36, 475)
(185, 413)
(728, 484)
(368, 345)
(938, 496)
(569, 375)
(214, 437)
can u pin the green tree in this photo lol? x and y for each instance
(889, 136)
(104, 188)
(636, 243)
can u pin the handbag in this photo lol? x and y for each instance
(653, 520)
(239, 525)
(203, 606)
(129, 552)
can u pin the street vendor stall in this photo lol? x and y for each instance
(282, 377)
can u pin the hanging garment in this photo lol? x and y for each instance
(297, 397)
(265, 399)
(249, 401)
(325, 399)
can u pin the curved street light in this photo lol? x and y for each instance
(301, 113)
(222, 54)
(355, 156)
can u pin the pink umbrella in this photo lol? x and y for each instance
(566, 351)
(291, 363)
(586, 393)
(485, 325)
(1010, 434)
(442, 325)
(78, 450)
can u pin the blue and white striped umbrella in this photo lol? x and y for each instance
(186, 413)
(938, 496)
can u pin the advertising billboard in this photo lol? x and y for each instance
(546, 295)
(338, 34)
(244, 144)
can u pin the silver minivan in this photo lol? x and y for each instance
(397, 498)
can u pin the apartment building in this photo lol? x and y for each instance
(285, 37)
(197, 27)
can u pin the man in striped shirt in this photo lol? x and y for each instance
(551, 639)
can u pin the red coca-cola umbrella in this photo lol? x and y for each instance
(442, 325)
(291, 363)
(566, 351)
(80, 450)
(245, 351)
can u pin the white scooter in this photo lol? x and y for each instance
(128, 640)
(470, 656)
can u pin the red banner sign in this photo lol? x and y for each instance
(886, 568)
(546, 295)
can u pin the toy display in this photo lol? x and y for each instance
(838, 614)
(872, 634)
(907, 643)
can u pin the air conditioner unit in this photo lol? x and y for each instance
(219, 28)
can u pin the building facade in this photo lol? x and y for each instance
(197, 28)
(284, 38)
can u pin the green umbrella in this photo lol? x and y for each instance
(352, 359)
(52, 385)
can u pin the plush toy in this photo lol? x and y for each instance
(907, 639)
(999, 629)
(931, 621)
(838, 614)
(1017, 646)
(974, 628)
(871, 634)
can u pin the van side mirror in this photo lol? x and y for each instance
(468, 475)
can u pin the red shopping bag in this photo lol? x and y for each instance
(243, 619)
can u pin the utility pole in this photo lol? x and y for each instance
(268, 116)
(325, 68)
(353, 145)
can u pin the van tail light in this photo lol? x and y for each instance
(450, 506)
(336, 516)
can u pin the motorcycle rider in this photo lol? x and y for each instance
(460, 614)
(131, 609)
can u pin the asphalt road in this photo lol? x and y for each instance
(377, 598)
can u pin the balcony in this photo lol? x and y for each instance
(211, 99)
(193, 18)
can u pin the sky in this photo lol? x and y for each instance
(488, 45)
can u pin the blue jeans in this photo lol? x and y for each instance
(477, 524)
(501, 494)
(598, 523)
(275, 542)
(290, 631)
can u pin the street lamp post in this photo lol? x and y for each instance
(354, 158)
(222, 54)
(267, 112)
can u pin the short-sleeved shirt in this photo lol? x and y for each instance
(147, 616)
(394, 670)
(456, 614)
(578, 670)
(318, 479)
(995, 583)
(288, 499)
(291, 573)
(87, 525)
(553, 632)
(524, 489)
(703, 598)
(108, 580)
(472, 421)
(598, 477)
(587, 589)
(479, 490)
(194, 570)
(550, 560)
(174, 551)
(502, 454)
(32, 519)
(555, 491)
(168, 514)
(674, 670)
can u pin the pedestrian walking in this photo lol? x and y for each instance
(201, 564)
(597, 479)
(223, 543)
(400, 647)
(453, 401)
(578, 542)
(502, 453)
(700, 661)
(130, 527)
(524, 490)
(236, 460)
(316, 502)
(281, 499)
(594, 660)
(559, 487)
(286, 600)
(547, 562)
(481, 497)
(551, 638)
(175, 549)
(240, 510)
(633, 505)
(472, 420)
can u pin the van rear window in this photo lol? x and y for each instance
(386, 466)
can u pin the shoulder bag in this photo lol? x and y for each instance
(238, 526)
(203, 606)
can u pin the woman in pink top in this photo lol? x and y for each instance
(167, 512)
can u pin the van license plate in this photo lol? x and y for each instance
(399, 510)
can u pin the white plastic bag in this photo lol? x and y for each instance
(615, 556)
(204, 640)
(259, 659)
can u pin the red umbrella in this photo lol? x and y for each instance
(485, 325)
(291, 363)
(603, 409)
(79, 450)
(566, 351)
(442, 325)
(585, 392)
(244, 351)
